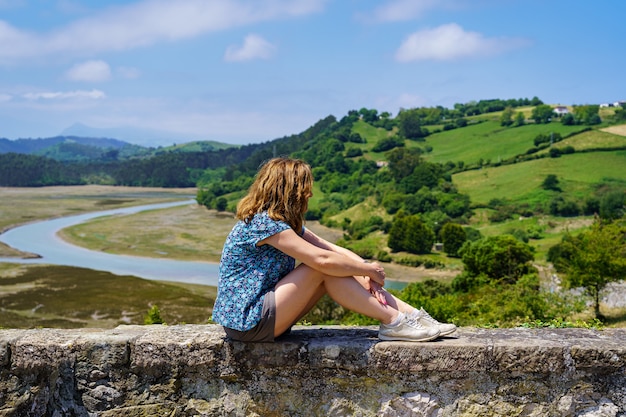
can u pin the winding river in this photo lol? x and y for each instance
(41, 238)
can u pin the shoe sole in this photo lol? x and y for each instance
(448, 332)
(408, 339)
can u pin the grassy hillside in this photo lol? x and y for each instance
(578, 173)
(488, 141)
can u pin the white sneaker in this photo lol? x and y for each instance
(408, 330)
(425, 319)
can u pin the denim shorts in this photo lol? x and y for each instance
(264, 330)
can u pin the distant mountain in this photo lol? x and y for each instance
(34, 146)
(143, 137)
(75, 148)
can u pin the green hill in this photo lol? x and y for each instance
(489, 142)
(579, 175)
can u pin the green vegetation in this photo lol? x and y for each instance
(66, 297)
(593, 258)
(493, 185)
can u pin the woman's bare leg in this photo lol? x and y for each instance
(397, 303)
(299, 290)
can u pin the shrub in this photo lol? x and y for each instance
(153, 316)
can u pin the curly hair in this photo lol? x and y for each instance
(282, 187)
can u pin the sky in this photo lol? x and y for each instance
(159, 72)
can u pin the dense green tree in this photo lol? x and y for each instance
(410, 125)
(506, 118)
(620, 115)
(520, 119)
(410, 234)
(566, 207)
(402, 162)
(613, 205)
(587, 114)
(542, 113)
(388, 143)
(594, 258)
(502, 258)
(568, 119)
(551, 182)
(369, 115)
(453, 236)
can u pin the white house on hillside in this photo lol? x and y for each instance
(561, 110)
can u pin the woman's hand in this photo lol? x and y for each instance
(377, 274)
(378, 292)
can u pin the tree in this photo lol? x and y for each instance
(587, 114)
(498, 258)
(520, 119)
(411, 234)
(568, 119)
(506, 118)
(551, 183)
(453, 237)
(543, 113)
(620, 115)
(594, 258)
(402, 161)
(410, 125)
(613, 205)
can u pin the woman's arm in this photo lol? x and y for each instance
(370, 285)
(327, 258)
(314, 239)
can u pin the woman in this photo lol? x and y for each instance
(261, 293)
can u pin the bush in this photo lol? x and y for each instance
(383, 256)
(153, 316)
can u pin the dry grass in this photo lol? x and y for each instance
(190, 233)
(616, 130)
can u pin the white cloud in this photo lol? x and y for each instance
(64, 95)
(254, 47)
(91, 71)
(451, 42)
(146, 23)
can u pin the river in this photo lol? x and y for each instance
(41, 238)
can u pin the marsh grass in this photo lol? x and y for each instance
(190, 233)
(68, 297)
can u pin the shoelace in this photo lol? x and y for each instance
(424, 315)
(414, 322)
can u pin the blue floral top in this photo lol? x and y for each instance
(247, 272)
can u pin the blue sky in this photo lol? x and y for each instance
(158, 72)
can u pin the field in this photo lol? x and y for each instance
(488, 141)
(522, 182)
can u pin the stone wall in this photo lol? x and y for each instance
(193, 370)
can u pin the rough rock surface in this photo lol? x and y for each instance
(192, 370)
